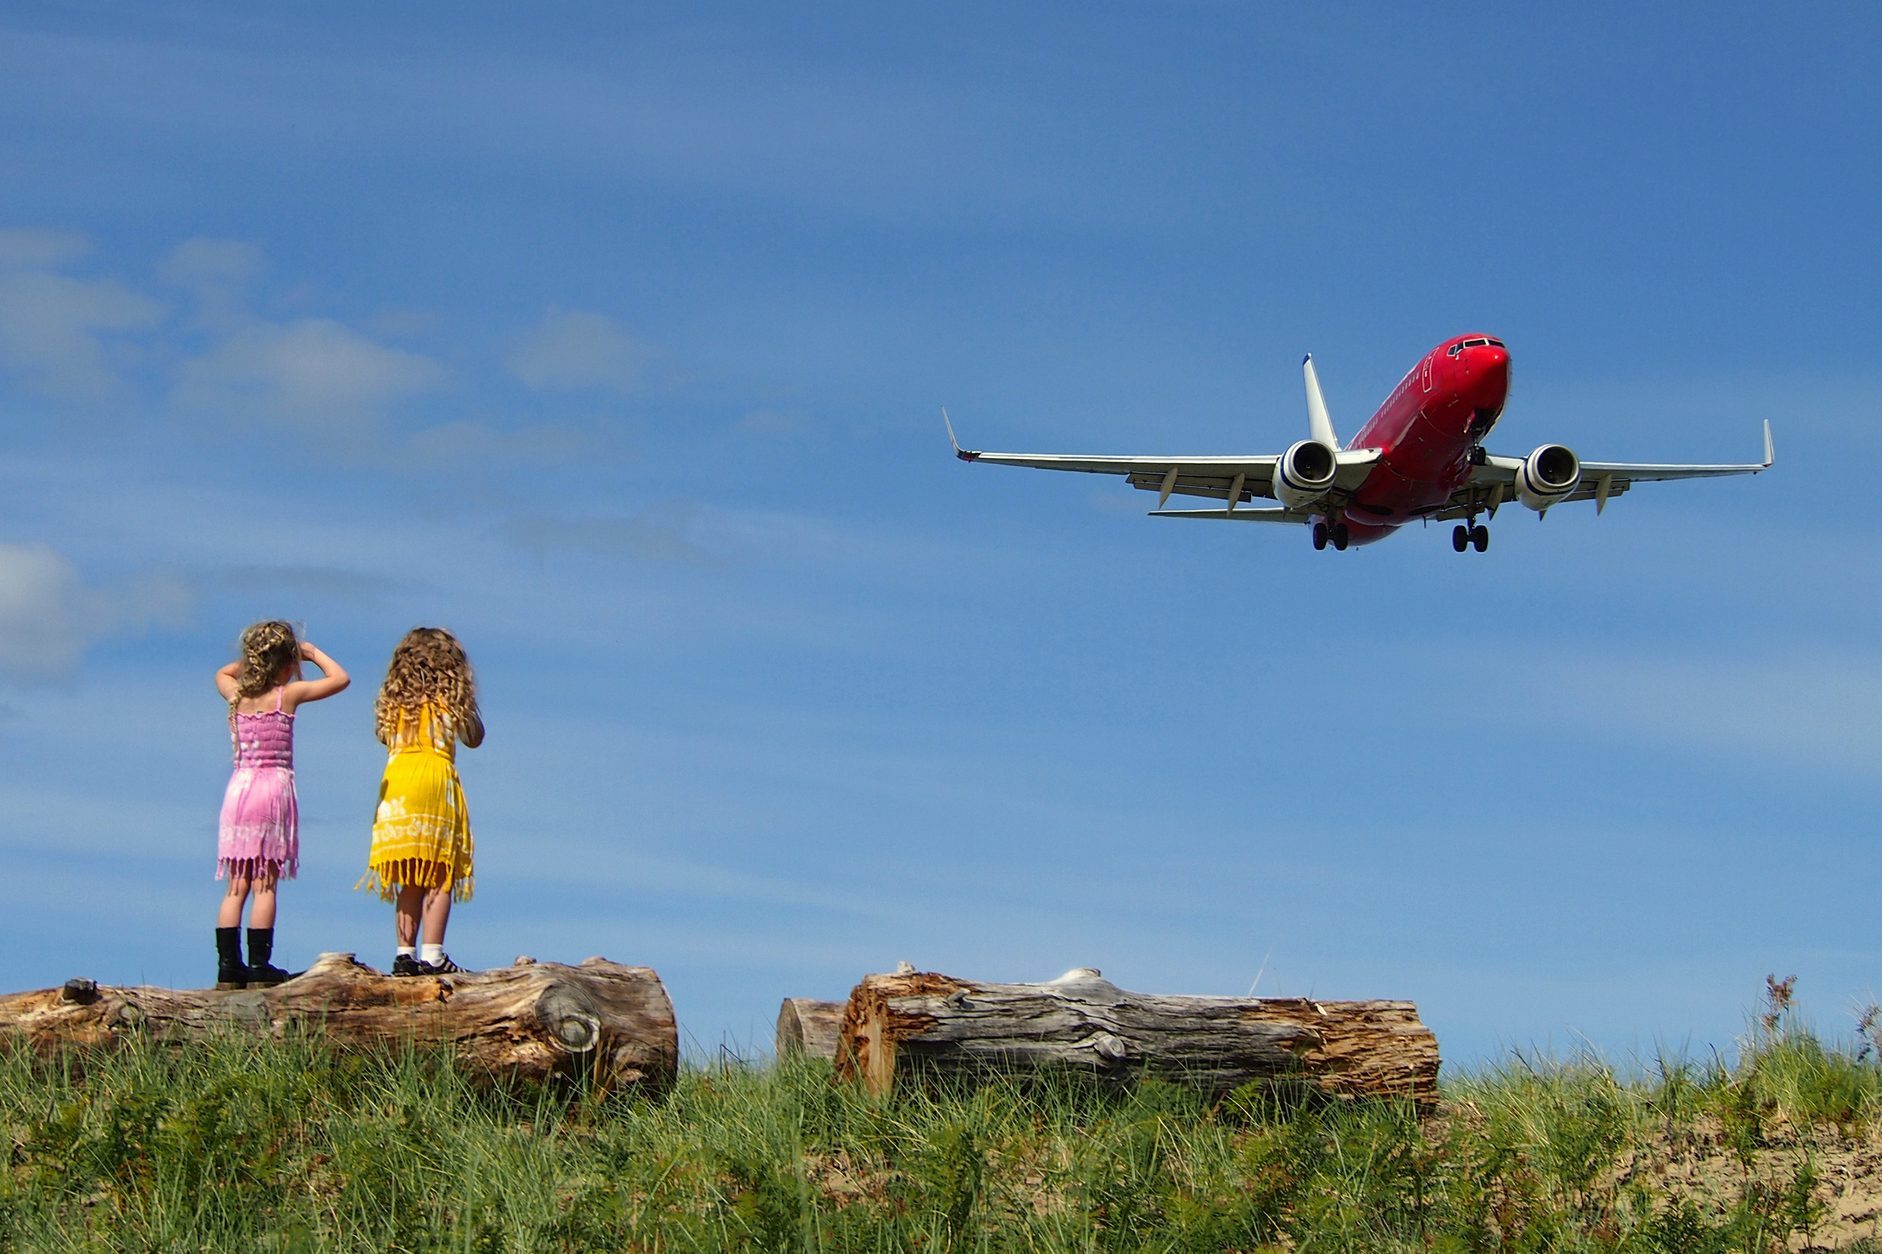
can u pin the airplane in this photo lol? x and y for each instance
(1419, 458)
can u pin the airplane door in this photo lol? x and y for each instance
(1424, 372)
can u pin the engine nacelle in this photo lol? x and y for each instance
(1547, 476)
(1304, 474)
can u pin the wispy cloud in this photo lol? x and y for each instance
(310, 373)
(38, 249)
(1814, 713)
(49, 614)
(201, 261)
(57, 332)
(217, 272)
(577, 351)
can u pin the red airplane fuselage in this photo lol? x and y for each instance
(1425, 432)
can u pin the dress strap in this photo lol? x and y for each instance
(278, 694)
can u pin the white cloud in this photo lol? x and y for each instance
(48, 615)
(54, 331)
(1815, 713)
(31, 249)
(218, 273)
(313, 372)
(579, 351)
(44, 611)
(204, 262)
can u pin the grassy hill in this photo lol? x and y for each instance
(295, 1145)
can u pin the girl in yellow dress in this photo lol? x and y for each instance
(421, 833)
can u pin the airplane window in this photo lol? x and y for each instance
(1498, 344)
(1455, 350)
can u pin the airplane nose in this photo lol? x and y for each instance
(1492, 383)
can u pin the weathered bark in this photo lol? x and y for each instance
(924, 1025)
(808, 1027)
(536, 1020)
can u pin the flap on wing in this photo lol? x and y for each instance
(1267, 515)
(1354, 464)
(1215, 483)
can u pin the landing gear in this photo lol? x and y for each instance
(1335, 534)
(1475, 536)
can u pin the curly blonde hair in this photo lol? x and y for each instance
(428, 665)
(268, 649)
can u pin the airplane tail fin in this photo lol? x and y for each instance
(1319, 422)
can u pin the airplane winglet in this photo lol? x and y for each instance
(1770, 455)
(959, 452)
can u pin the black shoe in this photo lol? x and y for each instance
(267, 974)
(405, 964)
(443, 966)
(231, 971)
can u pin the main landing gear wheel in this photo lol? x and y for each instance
(1319, 536)
(1475, 536)
(1337, 534)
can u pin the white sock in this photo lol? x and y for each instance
(431, 954)
(407, 951)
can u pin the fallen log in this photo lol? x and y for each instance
(922, 1025)
(599, 1021)
(808, 1027)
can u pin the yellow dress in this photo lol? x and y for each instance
(421, 833)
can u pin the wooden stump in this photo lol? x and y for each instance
(920, 1024)
(808, 1027)
(598, 1021)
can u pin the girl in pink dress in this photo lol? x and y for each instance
(259, 843)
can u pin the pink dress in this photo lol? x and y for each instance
(261, 818)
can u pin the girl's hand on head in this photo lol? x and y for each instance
(308, 651)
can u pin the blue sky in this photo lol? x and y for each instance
(615, 337)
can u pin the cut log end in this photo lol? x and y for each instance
(808, 1028)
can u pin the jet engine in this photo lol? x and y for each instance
(1547, 476)
(1305, 473)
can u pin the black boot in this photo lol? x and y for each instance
(230, 973)
(260, 949)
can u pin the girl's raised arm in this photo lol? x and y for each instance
(333, 678)
(225, 680)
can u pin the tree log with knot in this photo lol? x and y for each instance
(924, 1025)
(533, 1021)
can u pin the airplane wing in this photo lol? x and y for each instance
(1494, 481)
(1232, 479)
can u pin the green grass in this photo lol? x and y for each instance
(240, 1144)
